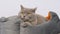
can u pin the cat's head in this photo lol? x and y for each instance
(26, 13)
(27, 10)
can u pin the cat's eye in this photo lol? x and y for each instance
(21, 12)
(29, 13)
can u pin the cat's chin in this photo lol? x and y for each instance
(24, 26)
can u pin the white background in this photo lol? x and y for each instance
(12, 7)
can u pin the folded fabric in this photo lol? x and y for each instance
(2, 20)
(11, 26)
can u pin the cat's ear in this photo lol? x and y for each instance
(21, 6)
(34, 9)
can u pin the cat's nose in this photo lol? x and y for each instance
(23, 16)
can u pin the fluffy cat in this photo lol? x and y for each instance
(29, 16)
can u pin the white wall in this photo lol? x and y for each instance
(12, 7)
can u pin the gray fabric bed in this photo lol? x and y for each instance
(12, 25)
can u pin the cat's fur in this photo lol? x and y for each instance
(29, 16)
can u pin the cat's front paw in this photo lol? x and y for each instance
(24, 25)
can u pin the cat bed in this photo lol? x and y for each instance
(12, 25)
(51, 27)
